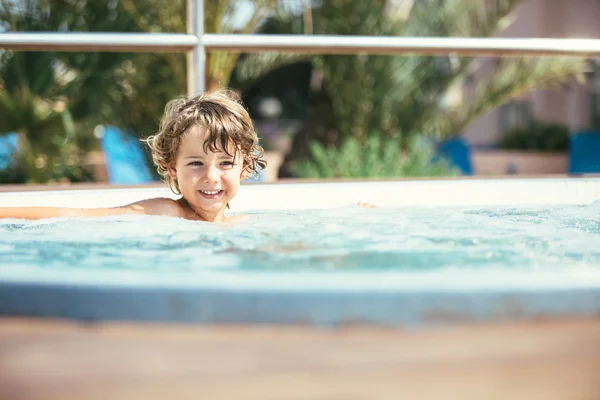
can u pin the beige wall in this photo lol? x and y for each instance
(496, 163)
(549, 19)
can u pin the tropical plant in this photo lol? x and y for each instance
(99, 88)
(377, 157)
(389, 94)
(164, 74)
(536, 136)
(52, 100)
(48, 143)
(410, 94)
(165, 16)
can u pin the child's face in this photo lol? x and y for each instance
(207, 180)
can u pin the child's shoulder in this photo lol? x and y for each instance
(159, 206)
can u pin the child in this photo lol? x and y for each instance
(205, 146)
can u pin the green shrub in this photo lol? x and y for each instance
(537, 136)
(64, 167)
(14, 173)
(377, 157)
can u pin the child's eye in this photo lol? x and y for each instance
(195, 163)
(227, 163)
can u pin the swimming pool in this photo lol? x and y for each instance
(431, 252)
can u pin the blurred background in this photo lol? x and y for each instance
(79, 117)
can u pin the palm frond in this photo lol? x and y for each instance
(256, 65)
(511, 77)
(417, 76)
(251, 67)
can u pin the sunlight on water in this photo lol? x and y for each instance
(349, 239)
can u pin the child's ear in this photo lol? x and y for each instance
(244, 173)
(172, 171)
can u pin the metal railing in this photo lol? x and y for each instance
(196, 43)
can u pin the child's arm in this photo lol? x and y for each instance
(166, 207)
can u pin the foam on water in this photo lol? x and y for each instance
(352, 241)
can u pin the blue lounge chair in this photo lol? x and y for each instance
(125, 161)
(584, 153)
(9, 144)
(458, 153)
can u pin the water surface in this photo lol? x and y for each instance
(342, 239)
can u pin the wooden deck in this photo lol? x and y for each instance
(62, 360)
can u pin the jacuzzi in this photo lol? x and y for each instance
(430, 252)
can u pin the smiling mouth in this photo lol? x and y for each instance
(210, 194)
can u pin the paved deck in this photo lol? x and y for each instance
(62, 360)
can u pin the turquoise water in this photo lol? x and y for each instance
(564, 238)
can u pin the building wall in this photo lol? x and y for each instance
(547, 19)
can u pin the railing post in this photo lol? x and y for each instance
(196, 58)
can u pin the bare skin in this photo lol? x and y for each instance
(158, 206)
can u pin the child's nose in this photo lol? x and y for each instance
(211, 174)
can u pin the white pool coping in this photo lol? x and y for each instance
(423, 193)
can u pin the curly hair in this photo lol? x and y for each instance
(226, 121)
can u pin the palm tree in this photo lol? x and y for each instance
(101, 87)
(34, 103)
(363, 94)
(45, 96)
(406, 94)
(160, 15)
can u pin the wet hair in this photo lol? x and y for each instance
(222, 114)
